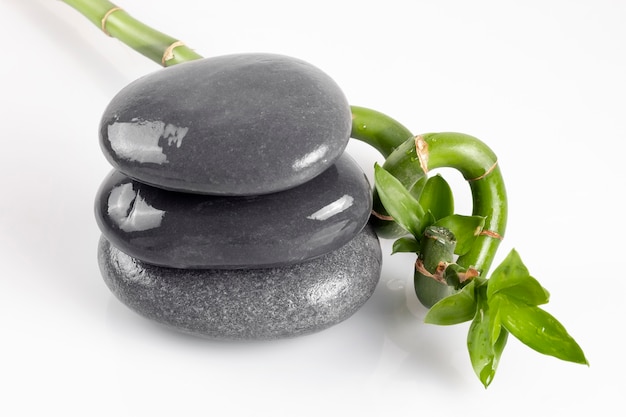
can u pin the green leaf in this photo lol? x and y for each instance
(465, 229)
(436, 197)
(428, 220)
(385, 227)
(454, 309)
(512, 278)
(457, 276)
(484, 352)
(398, 202)
(496, 321)
(539, 330)
(417, 188)
(406, 244)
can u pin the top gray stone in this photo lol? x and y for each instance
(244, 124)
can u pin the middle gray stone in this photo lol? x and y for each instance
(184, 230)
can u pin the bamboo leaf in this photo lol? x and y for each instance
(496, 321)
(454, 309)
(458, 277)
(385, 226)
(484, 353)
(465, 229)
(398, 202)
(512, 278)
(418, 187)
(428, 220)
(539, 330)
(406, 244)
(436, 197)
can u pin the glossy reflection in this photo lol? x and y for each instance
(249, 303)
(242, 124)
(199, 231)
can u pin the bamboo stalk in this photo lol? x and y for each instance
(116, 22)
(378, 130)
(437, 250)
(479, 166)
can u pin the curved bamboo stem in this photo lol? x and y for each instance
(378, 130)
(479, 166)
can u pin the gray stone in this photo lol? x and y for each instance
(184, 230)
(241, 124)
(251, 304)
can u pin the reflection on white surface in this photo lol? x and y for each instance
(130, 211)
(333, 208)
(138, 140)
(347, 351)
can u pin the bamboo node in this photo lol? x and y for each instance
(421, 149)
(439, 272)
(103, 22)
(492, 234)
(491, 168)
(169, 52)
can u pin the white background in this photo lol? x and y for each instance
(542, 82)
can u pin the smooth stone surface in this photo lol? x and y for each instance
(241, 124)
(248, 304)
(200, 231)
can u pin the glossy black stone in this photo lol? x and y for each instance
(248, 303)
(201, 231)
(243, 124)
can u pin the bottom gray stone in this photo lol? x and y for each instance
(251, 304)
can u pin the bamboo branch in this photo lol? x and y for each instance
(116, 22)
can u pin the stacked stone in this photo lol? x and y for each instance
(233, 210)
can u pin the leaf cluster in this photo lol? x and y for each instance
(431, 204)
(506, 303)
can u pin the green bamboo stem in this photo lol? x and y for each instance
(384, 134)
(114, 21)
(437, 250)
(479, 166)
(378, 130)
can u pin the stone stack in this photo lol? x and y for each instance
(233, 211)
